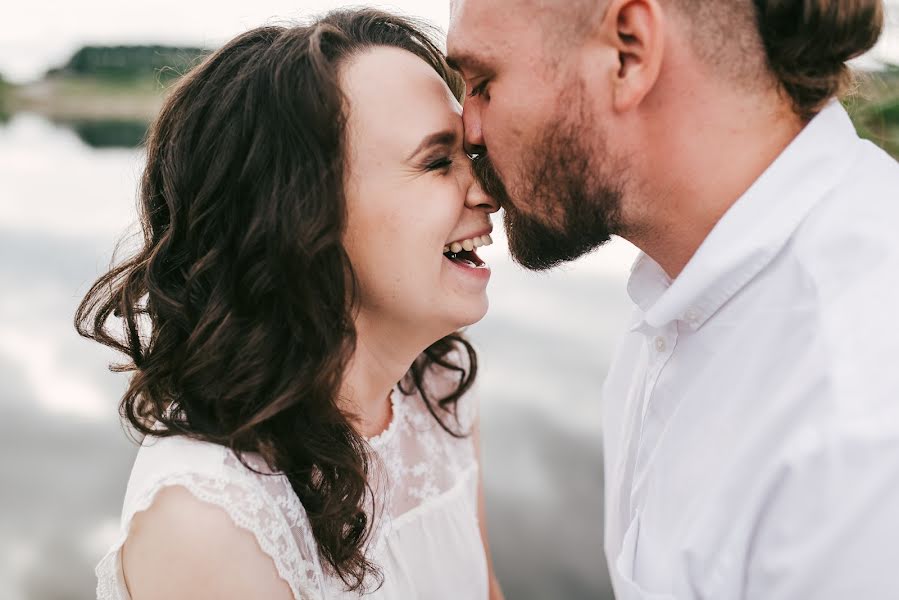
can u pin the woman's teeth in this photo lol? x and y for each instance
(468, 245)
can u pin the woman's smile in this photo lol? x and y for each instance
(462, 254)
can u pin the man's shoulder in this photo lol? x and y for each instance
(867, 192)
(848, 252)
(849, 238)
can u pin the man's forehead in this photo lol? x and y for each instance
(469, 13)
(497, 16)
(477, 27)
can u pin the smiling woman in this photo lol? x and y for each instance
(400, 200)
(292, 326)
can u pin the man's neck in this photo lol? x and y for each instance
(709, 157)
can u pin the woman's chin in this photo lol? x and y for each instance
(452, 317)
(470, 312)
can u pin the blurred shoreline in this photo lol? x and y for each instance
(87, 98)
(123, 83)
(125, 87)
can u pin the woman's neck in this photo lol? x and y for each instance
(381, 359)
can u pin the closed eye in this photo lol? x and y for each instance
(479, 90)
(441, 164)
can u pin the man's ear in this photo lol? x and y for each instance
(635, 29)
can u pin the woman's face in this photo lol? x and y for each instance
(410, 196)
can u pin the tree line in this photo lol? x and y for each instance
(131, 62)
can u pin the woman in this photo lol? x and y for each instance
(310, 220)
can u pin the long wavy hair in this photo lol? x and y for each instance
(236, 314)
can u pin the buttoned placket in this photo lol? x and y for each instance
(661, 344)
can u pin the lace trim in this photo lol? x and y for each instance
(426, 507)
(254, 511)
(287, 501)
(297, 514)
(395, 419)
(108, 583)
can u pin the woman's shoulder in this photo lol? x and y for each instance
(159, 455)
(175, 460)
(177, 528)
(184, 492)
(211, 473)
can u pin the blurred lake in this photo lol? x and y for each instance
(67, 195)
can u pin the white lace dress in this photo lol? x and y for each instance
(426, 537)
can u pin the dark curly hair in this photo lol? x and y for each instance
(236, 312)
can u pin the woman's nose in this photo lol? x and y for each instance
(477, 199)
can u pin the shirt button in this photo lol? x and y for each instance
(661, 345)
(691, 316)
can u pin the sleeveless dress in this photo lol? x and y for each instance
(425, 539)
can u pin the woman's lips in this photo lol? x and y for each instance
(469, 263)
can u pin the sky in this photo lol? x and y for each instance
(38, 34)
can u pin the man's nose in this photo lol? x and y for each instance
(474, 136)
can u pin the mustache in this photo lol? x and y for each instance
(489, 178)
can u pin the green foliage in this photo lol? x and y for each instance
(5, 92)
(876, 110)
(128, 63)
(110, 133)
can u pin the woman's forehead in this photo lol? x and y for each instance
(396, 95)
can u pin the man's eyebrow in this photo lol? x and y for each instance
(464, 61)
(455, 61)
(447, 137)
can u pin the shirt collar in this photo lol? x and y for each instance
(754, 229)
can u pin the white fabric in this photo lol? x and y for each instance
(426, 536)
(751, 422)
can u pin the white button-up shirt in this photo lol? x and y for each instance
(751, 422)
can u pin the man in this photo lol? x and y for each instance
(752, 412)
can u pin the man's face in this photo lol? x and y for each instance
(528, 115)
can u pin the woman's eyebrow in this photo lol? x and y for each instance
(447, 137)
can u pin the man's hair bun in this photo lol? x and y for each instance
(808, 43)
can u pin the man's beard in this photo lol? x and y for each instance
(573, 202)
